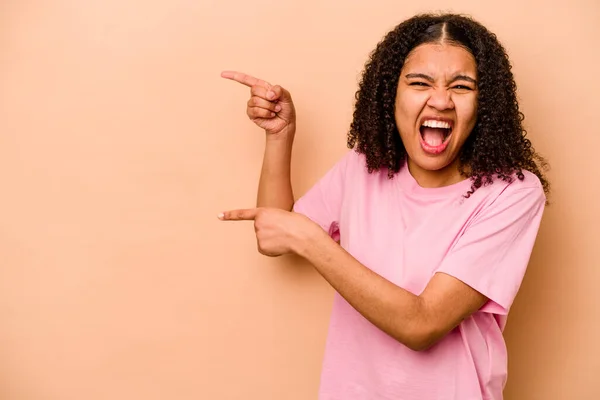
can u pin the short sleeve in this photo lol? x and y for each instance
(493, 253)
(322, 203)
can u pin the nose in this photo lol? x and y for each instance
(440, 99)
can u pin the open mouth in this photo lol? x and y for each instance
(435, 135)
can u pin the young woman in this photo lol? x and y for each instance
(425, 228)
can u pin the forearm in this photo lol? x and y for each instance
(275, 187)
(392, 309)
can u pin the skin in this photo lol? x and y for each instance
(417, 321)
(271, 108)
(437, 80)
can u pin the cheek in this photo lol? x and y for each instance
(411, 100)
(399, 107)
(407, 109)
(466, 110)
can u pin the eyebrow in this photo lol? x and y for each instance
(454, 79)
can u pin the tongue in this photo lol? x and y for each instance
(433, 136)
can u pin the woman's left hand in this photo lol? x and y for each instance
(278, 231)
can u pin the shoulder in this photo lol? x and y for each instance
(353, 163)
(527, 183)
(356, 161)
(355, 158)
(519, 192)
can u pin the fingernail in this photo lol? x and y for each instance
(277, 108)
(221, 216)
(270, 95)
(272, 114)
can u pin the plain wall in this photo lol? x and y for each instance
(120, 143)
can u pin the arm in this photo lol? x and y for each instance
(483, 270)
(272, 109)
(275, 186)
(416, 321)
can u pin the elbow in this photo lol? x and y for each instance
(421, 329)
(421, 341)
(424, 335)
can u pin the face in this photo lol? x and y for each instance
(436, 110)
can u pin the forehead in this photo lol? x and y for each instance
(440, 58)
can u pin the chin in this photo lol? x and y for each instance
(429, 164)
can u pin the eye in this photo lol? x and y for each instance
(461, 87)
(423, 84)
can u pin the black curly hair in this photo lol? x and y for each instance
(496, 146)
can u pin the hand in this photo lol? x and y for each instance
(270, 107)
(278, 231)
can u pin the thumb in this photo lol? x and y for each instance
(278, 93)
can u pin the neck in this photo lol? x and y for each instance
(446, 176)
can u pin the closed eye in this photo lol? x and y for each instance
(462, 87)
(418, 84)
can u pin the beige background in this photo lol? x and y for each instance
(120, 143)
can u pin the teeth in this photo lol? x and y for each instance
(431, 123)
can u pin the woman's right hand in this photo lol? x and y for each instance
(270, 107)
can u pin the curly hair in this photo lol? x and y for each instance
(497, 144)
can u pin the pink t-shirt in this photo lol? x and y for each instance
(406, 233)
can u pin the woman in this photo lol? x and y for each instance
(426, 228)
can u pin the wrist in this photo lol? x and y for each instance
(307, 240)
(286, 134)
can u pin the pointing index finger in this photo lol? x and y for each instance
(245, 79)
(238, 215)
